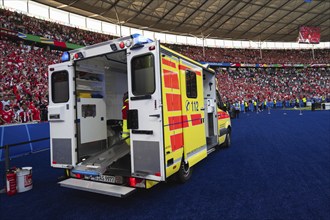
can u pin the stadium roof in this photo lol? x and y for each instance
(264, 20)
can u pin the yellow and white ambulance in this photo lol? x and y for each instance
(174, 116)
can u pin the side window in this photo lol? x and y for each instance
(143, 75)
(191, 84)
(60, 86)
(88, 111)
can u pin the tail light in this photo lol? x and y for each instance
(79, 176)
(137, 182)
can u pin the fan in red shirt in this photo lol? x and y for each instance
(2, 121)
(7, 115)
(35, 112)
(25, 115)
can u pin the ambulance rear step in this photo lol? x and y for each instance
(97, 187)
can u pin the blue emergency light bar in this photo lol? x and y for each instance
(139, 40)
(65, 56)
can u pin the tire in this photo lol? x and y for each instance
(184, 172)
(228, 140)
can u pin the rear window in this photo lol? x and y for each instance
(143, 75)
(60, 86)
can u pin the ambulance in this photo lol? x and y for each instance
(175, 117)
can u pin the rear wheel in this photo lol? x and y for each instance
(184, 172)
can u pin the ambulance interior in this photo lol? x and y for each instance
(101, 83)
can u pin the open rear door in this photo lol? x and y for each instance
(61, 114)
(145, 112)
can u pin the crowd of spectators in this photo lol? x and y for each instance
(253, 56)
(29, 25)
(24, 81)
(24, 76)
(244, 85)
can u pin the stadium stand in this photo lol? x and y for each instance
(268, 84)
(23, 79)
(24, 68)
(276, 168)
(253, 56)
(30, 25)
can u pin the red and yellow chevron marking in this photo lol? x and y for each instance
(173, 102)
(182, 67)
(168, 63)
(174, 122)
(178, 122)
(196, 119)
(222, 115)
(181, 121)
(176, 141)
(171, 79)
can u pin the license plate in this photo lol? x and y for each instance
(103, 178)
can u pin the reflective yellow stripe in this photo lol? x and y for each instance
(125, 132)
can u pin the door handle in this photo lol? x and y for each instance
(202, 109)
(156, 115)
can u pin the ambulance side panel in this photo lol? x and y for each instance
(192, 101)
(172, 112)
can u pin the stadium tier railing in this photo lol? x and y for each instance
(23, 139)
